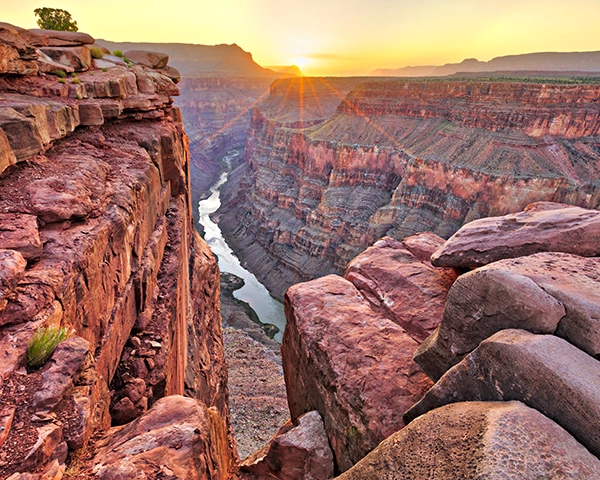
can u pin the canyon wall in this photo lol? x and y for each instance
(96, 236)
(398, 157)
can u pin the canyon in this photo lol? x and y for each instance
(473, 356)
(332, 167)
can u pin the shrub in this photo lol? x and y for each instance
(96, 52)
(78, 96)
(76, 80)
(118, 53)
(104, 69)
(60, 73)
(62, 80)
(43, 343)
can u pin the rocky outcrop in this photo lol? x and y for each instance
(397, 158)
(350, 363)
(541, 227)
(96, 225)
(495, 440)
(537, 370)
(177, 439)
(297, 452)
(552, 293)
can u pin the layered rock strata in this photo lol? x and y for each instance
(97, 232)
(399, 157)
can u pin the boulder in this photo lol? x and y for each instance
(554, 293)
(149, 59)
(12, 266)
(17, 52)
(47, 65)
(178, 438)
(19, 231)
(48, 447)
(544, 227)
(7, 156)
(408, 290)
(58, 374)
(78, 58)
(543, 371)
(170, 72)
(491, 440)
(348, 362)
(58, 38)
(90, 114)
(22, 133)
(296, 452)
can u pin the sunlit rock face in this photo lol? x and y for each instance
(395, 158)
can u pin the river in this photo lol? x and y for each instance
(268, 309)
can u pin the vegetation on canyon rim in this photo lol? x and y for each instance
(43, 343)
(55, 19)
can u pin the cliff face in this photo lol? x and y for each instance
(401, 157)
(96, 235)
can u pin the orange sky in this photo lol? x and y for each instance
(340, 37)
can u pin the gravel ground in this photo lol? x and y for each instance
(257, 397)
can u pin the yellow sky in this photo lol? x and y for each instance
(339, 37)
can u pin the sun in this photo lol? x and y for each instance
(300, 62)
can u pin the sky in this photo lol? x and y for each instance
(335, 37)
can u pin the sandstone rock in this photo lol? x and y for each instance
(170, 72)
(12, 266)
(296, 452)
(543, 371)
(149, 59)
(571, 230)
(20, 232)
(17, 53)
(492, 440)
(172, 439)
(22, 134)
(47, 65)
(78, 58)
(408, 290)
(124, 411)
(543, 293)
(91, 114)
(59, 371)
(7, 414)
(58, 38)
(336, 350)
(7, 156)
(48, 447)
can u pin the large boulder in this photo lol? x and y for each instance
(544, 293)
(406, 288)
(12, 266)
(472, 440)
(58, 38)
(297, 452)
(149, 59)
(79, 58)
(17, 52)
(541, 227)
(20, 232)
(543, 371)
(178, 438)
(348, 362)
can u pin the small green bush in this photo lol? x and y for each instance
(118, 53)
(43, 343)
(78, 96)
(60, 73)
(96, 53)
(127, 61)
(62, 80)
(105, 69)
(76, 80)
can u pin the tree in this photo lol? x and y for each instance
(55, 19)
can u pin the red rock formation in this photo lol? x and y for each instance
(401, 157)
(348, 362)
(96, 217)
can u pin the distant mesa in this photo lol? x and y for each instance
(287, 69)
(533, 62)
(200, 60)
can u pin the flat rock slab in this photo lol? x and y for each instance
(472, 440)
(12, 266)
(555, 293)
(348, 362)
(175, 439)
(20, 232)
(408, 289)
(56, 38)
(543, 371)
(149, 59)
(546, 228)
(78, 58)
(296, 452)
